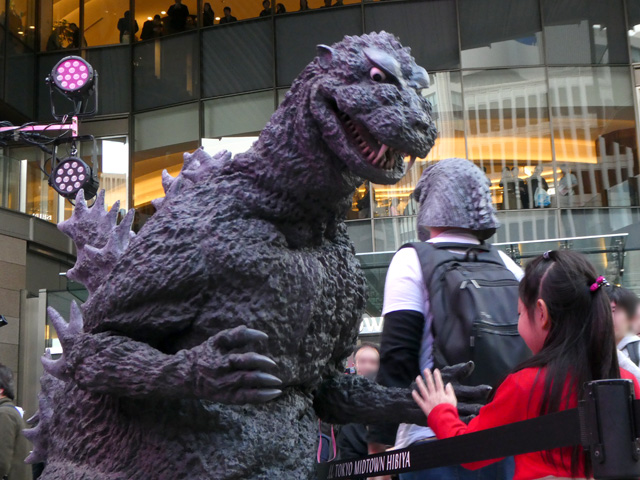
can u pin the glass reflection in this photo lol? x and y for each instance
(584, 32)
(594, 137)
(59, 26)
(509, 135)
(510, 35)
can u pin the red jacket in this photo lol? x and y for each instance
(518, 398)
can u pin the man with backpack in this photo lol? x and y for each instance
(449, 299)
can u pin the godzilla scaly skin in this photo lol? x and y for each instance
(207, 337)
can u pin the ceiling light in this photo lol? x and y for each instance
(163, 12)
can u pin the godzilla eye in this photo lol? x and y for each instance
(377, 75)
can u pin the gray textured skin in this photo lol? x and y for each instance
(208, 337)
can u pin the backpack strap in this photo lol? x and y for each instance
(634, 356)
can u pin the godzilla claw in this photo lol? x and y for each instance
(458, 372)
(239, 337)
(251, 361)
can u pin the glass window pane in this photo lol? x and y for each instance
(360, 234)
(102, 25)
(537, 224)
(510, 134)
(165, 71)
(174, 18)
(238, 59)
(633, 24)
(594, 136)
(412, 21)
(298, 36)
(9, 182)
(391, 233)
(510, 35)
(584, 31)
(161, 137)
(113, 66)
(238, 115)
(41, 199)
(20, 77)
(21, 20)
(360, 203)
(445, 95)
(59, 25)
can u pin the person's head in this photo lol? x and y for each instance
(327, 3)
(207, 7)
(624, 304)
(178, 2)
(266, 4)
(565, 319)
(157, 19)
(6, 383)
(227, 11)
(537, 170)
(304, 4)
(454, 195)
(366, 358)
(280, 8)
(127, 14)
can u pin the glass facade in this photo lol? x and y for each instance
(541, 94)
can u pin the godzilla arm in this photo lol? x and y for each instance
(220, 369)
(355, 399)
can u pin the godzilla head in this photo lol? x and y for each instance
(368, 103)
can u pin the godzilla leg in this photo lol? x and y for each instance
(223, 369)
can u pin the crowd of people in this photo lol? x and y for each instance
(179, 19)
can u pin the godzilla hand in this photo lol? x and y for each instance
(228, 369)
(470, 398)
(222, 369)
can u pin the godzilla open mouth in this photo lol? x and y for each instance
(372, 150)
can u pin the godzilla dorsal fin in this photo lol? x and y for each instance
(99, 240)
(198, 166)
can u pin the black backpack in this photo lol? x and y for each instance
(473, 298)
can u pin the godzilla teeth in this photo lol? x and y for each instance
(381, 153)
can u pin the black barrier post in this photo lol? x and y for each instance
(608, 429)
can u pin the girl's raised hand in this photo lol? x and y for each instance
(432, 391)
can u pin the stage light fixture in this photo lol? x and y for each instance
(76, 80)
(71, 175)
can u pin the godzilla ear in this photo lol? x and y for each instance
(325, 55)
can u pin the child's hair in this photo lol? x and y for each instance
(580, 346)
(623, 298)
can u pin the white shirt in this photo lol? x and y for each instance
(405, 289)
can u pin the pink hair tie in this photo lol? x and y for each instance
(599, 282)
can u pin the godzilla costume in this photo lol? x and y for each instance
(209, 337)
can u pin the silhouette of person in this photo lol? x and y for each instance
(266, 8)
(208, 16)
(152, 28)
(178, 14)
(228, 18)
(280, 8)
(304, 5)
(124, 26)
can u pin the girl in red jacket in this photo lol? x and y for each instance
(565, 319)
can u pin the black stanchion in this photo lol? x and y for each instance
(606, 424)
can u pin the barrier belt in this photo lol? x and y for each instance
(556, 430)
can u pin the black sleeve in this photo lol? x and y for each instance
(399, 361)
(351, 442)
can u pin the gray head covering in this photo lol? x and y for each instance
(455, 193)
